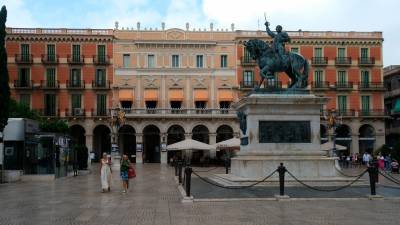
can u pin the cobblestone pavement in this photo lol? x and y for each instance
(154, 199)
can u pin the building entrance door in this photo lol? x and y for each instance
(151, 144)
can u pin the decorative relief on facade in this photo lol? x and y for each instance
(175, 35)
(175, 81)
(200, 82)
(150, 82)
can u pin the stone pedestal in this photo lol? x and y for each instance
(282, 128)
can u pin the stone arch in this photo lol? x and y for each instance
(127, 141)
(224, 132)
(101, 140)
(151, 144)
(343, 136)
(175, 133)
(201, 133)
(366, 140)
(77, 132)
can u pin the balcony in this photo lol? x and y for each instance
(319, 85)
(373, 113)
(346, 113)
(100, 113)
(343, 86)
(343, 61)
(248, 84)
(366, 61)
(319, 61)
(49, 113)
(179, 113)
(50, 59)
(50, 84)
(101, 59)
(23, 84)
(247, 61)
(75, 84)
(76, 59)
(75, 112)
(101, 85)
(24, 58)
(371, 86)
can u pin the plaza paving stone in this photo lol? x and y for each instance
(154, 199)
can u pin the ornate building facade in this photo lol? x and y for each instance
(174, 84)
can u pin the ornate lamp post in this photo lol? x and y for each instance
(116, 121)
(332, 124)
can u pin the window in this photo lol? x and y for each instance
(176, 107)
(224, 105)
(101, 105)
(51, 77)
(25, 56)
(25, 99)
(50, 104)
(24, 77)
(365, 100)
(248, 78)
(51, 53)
(318, 52)
(101, 53)
(126, 105)
(76, 53)
(151, 61)
(75, 78)
(76, 101)
(199, 61)
(364, 78)
(175, 61)
(247, 56)
(342, 78)
(224, 61)
(100, 78)
(126, 60)
(364, 53)
(341, 53)
(342, 104)
(294, 50)
(318, 78)
(151, 107)
(200, 104)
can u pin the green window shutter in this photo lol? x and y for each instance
(365, 103)
(51, 53)
(224, 61)
(247, 56)
(295, 50)
(364, 53)
(342, 78)
(51, 77)
(75, 77)
(50, 104)
(25, 99)
(365, 78)
(101, 53)
(342, 103)
(248, 77)
(76, 101)
(25, 52)
(100, 77)
(76, 53)
(101, 104)
(318, 79)
(341, 52)
(318, 52)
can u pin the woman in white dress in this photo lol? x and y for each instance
(105, 173)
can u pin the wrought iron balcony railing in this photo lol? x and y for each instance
(371, 86)
(76, 59)
(319, 85)
(344, 85)
(75, 112)
(49, 84)
(24, 58)
(75, 84)
(101, 59)
(366, 61)
(50, 59)
(319, 61)
(104, 84)
(247, 61)
(100, 112)
(248, 84)
(49, 112)
(372, 113)
(23, 84)
(343, 61)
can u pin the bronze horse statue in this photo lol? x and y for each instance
(293, 64)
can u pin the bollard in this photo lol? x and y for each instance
(188, 175)
(372, 174)
(180, 172)
(176, 167)
(281, 171)
(226, 166)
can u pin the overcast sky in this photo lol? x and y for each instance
(322, 15)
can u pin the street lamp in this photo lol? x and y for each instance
(332, 124)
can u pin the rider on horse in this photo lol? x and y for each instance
(280, 38)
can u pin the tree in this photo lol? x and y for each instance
(4, 88)
(18, 110)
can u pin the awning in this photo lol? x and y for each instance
(233, 143)
(396, 107)
(190, 145)
(151, 94)
(126, 95)
(201, 95)
(225, 95)
(329, 146)
(175, 94)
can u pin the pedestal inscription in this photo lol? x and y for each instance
(284, 132)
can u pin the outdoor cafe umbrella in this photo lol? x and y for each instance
(189, 145)
(329, 146)
(230, 144)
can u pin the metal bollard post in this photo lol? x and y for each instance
(281, 171)
(180, 172)
(176, 167)
(372, 171)
(188, 175)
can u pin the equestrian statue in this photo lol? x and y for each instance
(275, 58)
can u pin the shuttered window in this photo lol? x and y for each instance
(51, 77)
(50, 104)
(101, 104)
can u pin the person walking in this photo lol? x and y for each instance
(125, 164)
(105, 173)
